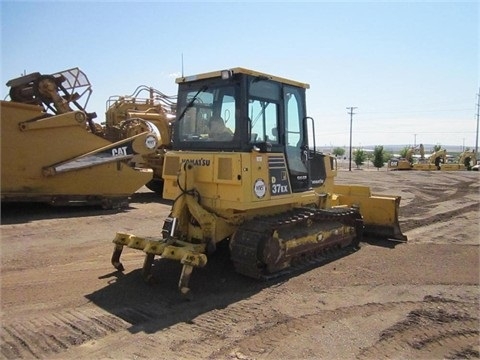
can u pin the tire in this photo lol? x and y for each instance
(156, 185)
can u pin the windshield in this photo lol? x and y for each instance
(209, 114)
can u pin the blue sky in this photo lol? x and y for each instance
(410, 68)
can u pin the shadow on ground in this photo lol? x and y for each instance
(152, 307)
(24, 212)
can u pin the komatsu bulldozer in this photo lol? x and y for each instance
(244, 168)
(147, 109)
(52, 151)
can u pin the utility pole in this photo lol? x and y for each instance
(478, 114)
(414, 140)
(350, 155)
(182, 64)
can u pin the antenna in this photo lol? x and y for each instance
(182, 64)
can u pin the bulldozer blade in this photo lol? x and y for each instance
(385, 232)
(379, 212)
(380, 216)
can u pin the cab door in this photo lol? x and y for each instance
(296, 147)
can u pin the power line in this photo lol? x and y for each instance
(416, 111)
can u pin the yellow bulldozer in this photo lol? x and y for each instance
(52, 151)
(244, 168)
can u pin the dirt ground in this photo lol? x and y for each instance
(62, 299)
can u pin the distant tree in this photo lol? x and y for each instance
(404, 151)
(369, 157)
(437, 147)
(386, 156)
(338, 151)
(359, 157)
(378, 157)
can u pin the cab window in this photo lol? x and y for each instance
(263, 105)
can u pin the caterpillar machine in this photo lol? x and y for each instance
(433, 162)
(145, 110)
(52, 151)
(466, 161)
(402, 163)
(406, 163)
(244, 169)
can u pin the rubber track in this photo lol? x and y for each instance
(248, 237)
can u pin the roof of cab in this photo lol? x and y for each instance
(241, 70)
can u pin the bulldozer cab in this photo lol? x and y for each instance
(240, 110)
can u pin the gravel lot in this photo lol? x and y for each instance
(62, 299)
